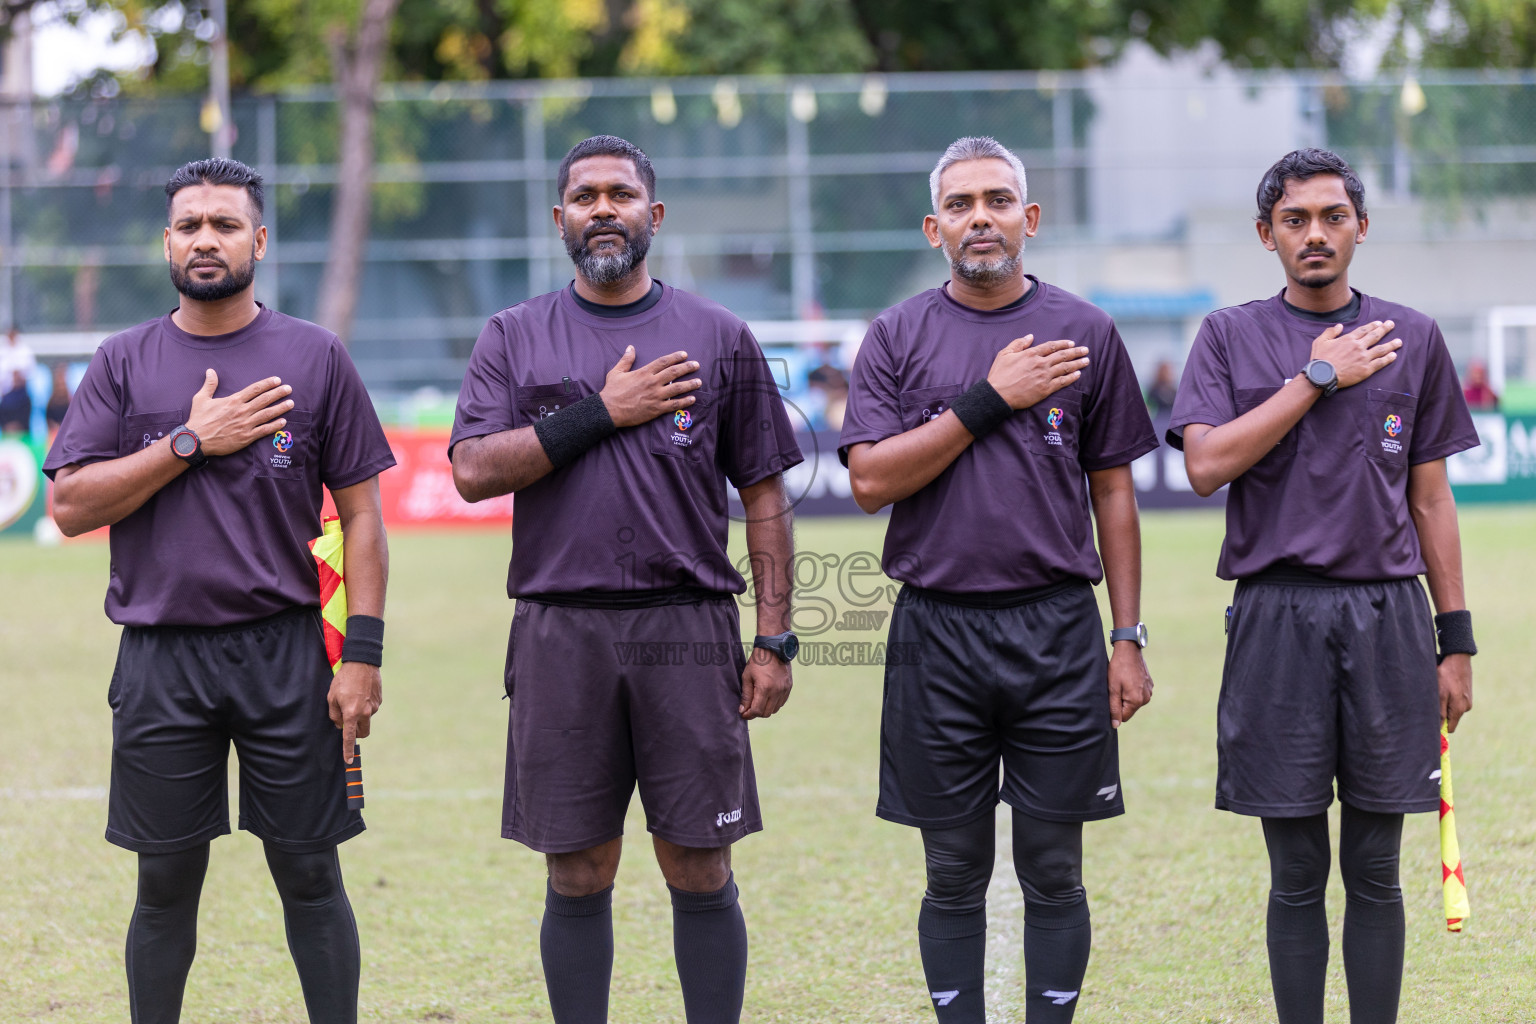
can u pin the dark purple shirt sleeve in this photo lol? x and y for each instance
(758, 439)
(92, 427)
(873, 412)
(485, 399)
(1443, 425)
(1117, 429)
(355, 448)
(1205, 389)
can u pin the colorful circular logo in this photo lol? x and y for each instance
(1393, 426)
(1054, 418)
(683, 419)
(282, 440)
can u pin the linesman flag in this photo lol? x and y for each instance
(1457, 909)
(327, 549)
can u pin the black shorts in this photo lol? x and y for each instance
(1026, 685)
(1328, 680)
(180, 695)
(603, 699)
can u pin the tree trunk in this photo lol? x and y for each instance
(358, 63)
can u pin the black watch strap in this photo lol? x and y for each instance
(783, 646)
(1137, 634)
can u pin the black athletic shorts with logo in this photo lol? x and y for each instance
(605, 698)
(1328, 679)
(1021, 679)
(179, 696)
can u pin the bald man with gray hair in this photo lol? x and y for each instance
(990, 447)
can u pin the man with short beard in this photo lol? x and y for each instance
(212, 495)
(624, 665)
(1331, 414)
(990, 446)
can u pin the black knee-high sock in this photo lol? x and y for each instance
(576, 945)
(1058, 935)
(1297, 928)
(952, 922)
(709, 940)
(1369, 845)
(322, 934)
(162, 935)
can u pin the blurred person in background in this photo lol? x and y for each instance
(1331, 414)
(16, 366)
(203, 438)
(1164, 389)
(1477, 391)
(58, 400)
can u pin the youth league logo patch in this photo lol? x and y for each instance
(1054, 420)
(682, 420)
(1393, 426)
(282, 441)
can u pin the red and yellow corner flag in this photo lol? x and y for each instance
(327, 549)
(1457, 909)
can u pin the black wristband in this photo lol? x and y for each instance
(981, 409)
(1453, 634)
(364, 641)
(565, 435)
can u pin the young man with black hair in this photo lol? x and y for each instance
(624, 665)
(212, 495)
(990, 435)
(1331, 414)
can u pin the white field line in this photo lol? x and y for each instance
(1005, 928)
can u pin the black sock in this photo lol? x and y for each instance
(1058, 935)
(162, 935)
(576, 945)
(322, 934)
(954, 951)
(709, 940)
(952, 923)
(1297, 927)
(1369, 845)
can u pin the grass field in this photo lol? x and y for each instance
(449, 912)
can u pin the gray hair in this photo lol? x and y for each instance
(976, 147)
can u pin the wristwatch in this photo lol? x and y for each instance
(784, 645)
(1137, 634)
(188, 447)
(1321, 375)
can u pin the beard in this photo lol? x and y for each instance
(1316, 278)
(234, 281)
(982, 271)
(611, 267)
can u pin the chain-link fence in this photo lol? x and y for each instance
(786, 199)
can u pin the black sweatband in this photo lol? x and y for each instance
(1453, 634)
(981, 409)
(573, 430)
(364, 641)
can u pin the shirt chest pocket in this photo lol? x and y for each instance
(141, 430)
(534, 402)
(920, 405)
(1246, 400)
(287, 454)
(1388, 426)
(1053, 426)
(686, 433)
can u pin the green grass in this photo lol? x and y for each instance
(449, 912)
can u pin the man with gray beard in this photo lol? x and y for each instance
(990, 447)
(624, 665)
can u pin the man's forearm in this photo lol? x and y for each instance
(86, 498)
(898, 467)
(1434, 517)
(497, 464)
(1215, 456)
(1113, 493)
(365, 557)
(771, 552)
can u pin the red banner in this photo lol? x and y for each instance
(419, 491)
